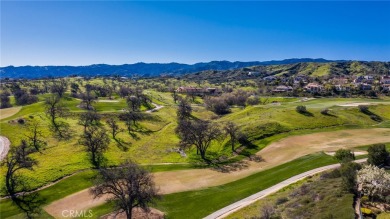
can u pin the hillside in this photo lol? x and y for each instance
(346, 68)
(141, 69)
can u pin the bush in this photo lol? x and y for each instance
(217, 105)
(21, 121)
(344, 155)
(363, 108)
(301, 109)
(281, 200)
(377, 154)
(325, 112)
(253, 100)
(331, 174)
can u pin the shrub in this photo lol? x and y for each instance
(217, 105)
(363, 108)
(325, 112)
(281, 200)
(344, 155)
(331, 174)
(21, 121)
(301, 109)
(377, 154)
(253, 100)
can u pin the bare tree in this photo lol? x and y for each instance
(231, 129)
(129, 186)
(175, 96)
(74, 89)
(96, 141)
(184, 109)
(5, 100)
(134, 103)
(130, 118)
(59, 87)
(35, 136)
(112, 123)
(55, 109)
(87, 99)
(198, 133)
(15, 186)
(90, 118)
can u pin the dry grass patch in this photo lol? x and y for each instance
(7, 112)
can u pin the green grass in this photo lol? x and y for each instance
(365, 147)
(198, 204)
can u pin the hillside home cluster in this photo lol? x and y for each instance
(340, 84)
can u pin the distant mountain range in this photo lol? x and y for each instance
(139, 69)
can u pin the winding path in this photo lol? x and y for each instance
(4, 147)
(257, 196)
(276, 153)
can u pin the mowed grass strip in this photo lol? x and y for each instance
(198, 204)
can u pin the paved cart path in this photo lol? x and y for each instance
(257, 196)
(4, 147)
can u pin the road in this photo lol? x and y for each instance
(4, 147)
(253, 198)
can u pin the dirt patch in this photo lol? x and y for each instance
(357, 104)
(276, 153)
(137, 213)
(356, 153)
(7, 112)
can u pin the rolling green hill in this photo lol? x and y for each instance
(349, 68)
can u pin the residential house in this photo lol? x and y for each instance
(269, 78)
(385, 87)
(314, 87)
(385, 79)
(364, 86)
(282, 88)
(342, 87)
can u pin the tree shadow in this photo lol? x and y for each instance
(124, 146)
(372, 115)
(307, 113)
(29, 203)
(134, 135)
(230, 167)
(62, 131)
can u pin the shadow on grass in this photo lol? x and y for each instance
(372, 115)
(307, 113)
(124, 146)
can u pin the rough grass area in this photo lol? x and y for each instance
(315, 197)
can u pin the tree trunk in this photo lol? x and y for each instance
(129, 213)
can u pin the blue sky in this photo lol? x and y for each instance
(94, 32)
